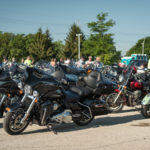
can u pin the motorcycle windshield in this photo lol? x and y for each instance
(45, 66)
(127, 71)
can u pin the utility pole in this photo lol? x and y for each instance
(78, 35)
(143, 46)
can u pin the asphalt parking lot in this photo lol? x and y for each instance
(122, 131)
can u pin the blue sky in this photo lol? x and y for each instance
(132, 17)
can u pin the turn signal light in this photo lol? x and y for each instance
(20, 92)
(35, 100)
(89, 71)
(124, 87)
(7, 109)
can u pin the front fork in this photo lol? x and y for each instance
(27, 113)
(2, 100)
(1, 105)
(120, 92)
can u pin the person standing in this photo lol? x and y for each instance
(22, 60)
(5, 61)
(61, 60)
(148, 64)
(67, 62)
(89, 62)
(28, 61)
(53, 62)
(98, 64)
(80, 63)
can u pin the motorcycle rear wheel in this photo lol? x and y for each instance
(12, 123)
(118, 106)
(145, 111)
(84, 120)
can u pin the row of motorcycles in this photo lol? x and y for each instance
(50, 96)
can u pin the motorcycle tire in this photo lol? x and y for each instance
(82, 121)
(114, 108)
(145, 111)
(10, 121)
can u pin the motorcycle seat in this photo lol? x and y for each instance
(104, 82)
(81, 91)
(92, 79)
(77, 93)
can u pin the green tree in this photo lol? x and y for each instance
(59, 48)
(100, 42)
(37, 47)
(30, 38)
(42, 46)
(17, 47)
(49, 46)
(137, 48)
(5, 39)
(71, 41)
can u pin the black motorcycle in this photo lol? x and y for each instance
(10, 93)
(47, 103)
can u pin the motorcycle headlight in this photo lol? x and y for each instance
(28, 89)
(121, 78)
(35, 93)
(20, 85)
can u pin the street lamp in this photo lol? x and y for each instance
(78, 35)
(143, 46)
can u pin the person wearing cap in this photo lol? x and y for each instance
(89, 62)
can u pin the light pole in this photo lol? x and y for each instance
(78, 35)
(143, 46)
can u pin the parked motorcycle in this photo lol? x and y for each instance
(130, 91)
(10, 93)
(145, 110)
(47, 103)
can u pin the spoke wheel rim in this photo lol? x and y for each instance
(15, 124)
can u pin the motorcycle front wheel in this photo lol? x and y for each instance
(12, 121)
(114, 107)
(145, 111)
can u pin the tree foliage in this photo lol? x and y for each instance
(137, 48)
(5, 44)
(41, 45)
(38, 45)
(71, 41)
(100, 42)
(17, 47)
(59, 49)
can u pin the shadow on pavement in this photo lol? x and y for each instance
(130, 110)
(105, 121)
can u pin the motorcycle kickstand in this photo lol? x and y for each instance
(51, 129)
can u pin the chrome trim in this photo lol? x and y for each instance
(118, 95)
(29, 110)
(86, 107)
(42, 122)
(24, 98)
(2, 100)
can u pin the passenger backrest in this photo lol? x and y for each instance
(58, 75)
(92, 79)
